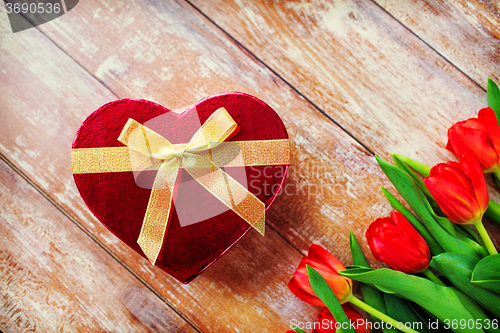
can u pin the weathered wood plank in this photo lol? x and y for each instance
(54, 278)
(389, 124)
(362, 67)
(359, 65)
(42, 118)
(467, 33)
(210, 63)
(169, 54)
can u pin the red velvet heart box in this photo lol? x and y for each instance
(119, 199)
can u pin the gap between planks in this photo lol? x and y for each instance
(255, 58)
(297, 91)
(98, 242)
(429, 45)
(3, 329)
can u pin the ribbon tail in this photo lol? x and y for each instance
(229, 191)
(156, 220)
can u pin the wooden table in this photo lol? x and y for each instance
(349, 79)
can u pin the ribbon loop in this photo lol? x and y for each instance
(196, 158)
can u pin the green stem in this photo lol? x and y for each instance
(375, 313)
(493, 211)
(496, 176)
(421, 168)
(433, 277)
(298, 330)
(486, 238)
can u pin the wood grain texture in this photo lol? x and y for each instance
(361, 66)
(364, 69)
(467, 33)
(329, 170)
(248, 283)
(171, 54)
(54, 278)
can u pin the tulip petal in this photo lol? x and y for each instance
(438, 168)
(325, 264)
(411, 262)
(327, 321)
(297, 291)
(472, 124)
(456, 175)
(321, 255)
(418, 241)
(455, 202)
(388, 239)
(489, 118)
(339, 284)
(455, 143)
(473, 171)
(452, 193)
(449, 146)
(473, 140)
(302, 279)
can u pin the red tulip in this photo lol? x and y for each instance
(328, 266)
(479, 137)
(395, 241)
(459, 189)
(326, 322)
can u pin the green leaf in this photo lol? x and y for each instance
(433, 245)
(385, 290)
(374, 298)
(421, 168)
(408, 190)
(467, 231)
(443, 221)
(371, 296)
(496, 176)
(400, 161)
(438, 300)
(427, 317)
(493, 94)
(401, 310)
(486, 274)
(358, 257)
(458, 268)
(493, 211)
(406, 164)
(298, 330)
(475, 310)
(327, 296)
(429, 201)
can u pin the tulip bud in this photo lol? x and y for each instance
(328, 266)
(459, 189)
(326, 322)
(395, 241)
(479, 137)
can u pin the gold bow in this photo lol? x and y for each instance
(201, 158)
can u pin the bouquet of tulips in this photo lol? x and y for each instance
(445, 269)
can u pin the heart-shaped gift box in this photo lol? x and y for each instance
(201, 228)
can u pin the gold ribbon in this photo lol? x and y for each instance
(202, 158)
